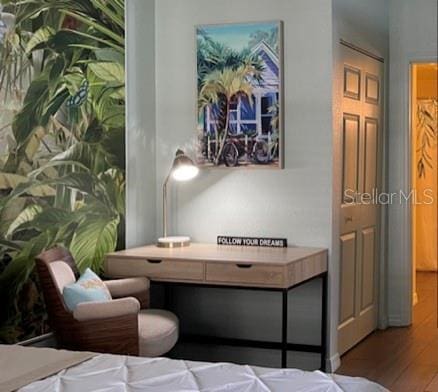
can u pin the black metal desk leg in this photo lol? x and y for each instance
(284, 324)
(167, 296)
(324, 321)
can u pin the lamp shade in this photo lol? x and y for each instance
(183, 168)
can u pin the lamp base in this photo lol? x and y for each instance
(173, 242)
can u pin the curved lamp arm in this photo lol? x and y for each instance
(166, 181)
(183, 169)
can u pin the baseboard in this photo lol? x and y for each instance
(395, 321)
(46, 340)
(333, 363)
(383, 323)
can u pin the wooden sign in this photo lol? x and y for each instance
(252, 241)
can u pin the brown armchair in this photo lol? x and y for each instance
(124, 325)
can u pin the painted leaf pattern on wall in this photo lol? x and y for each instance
(62, 137)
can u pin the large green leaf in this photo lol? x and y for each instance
(114, 146)
(10, 212)
(94, 238)
(99, 27)
(26, 121)
(113, 116)
(53, 105)
(33, 144)
(17, 272)
(114, 181)
(27, 215)
(56, 163)
(110, 12)
(84, 182)
(73, 79)
(94, 133)
(93, 40)
(78, 152)
(56, 72)
(109, 72)
(9, 245)
(66, 39)
(43, 219)
(41, 36)
(12, 181)
(110, 55)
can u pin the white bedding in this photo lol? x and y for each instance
(116, 373)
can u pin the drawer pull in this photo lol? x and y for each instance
(244, 265)
(154, 261)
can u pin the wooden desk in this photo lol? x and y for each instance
(273, 269)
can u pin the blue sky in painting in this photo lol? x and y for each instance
(236, 36)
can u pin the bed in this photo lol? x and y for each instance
(43, 370)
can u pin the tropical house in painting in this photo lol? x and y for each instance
(252, 116)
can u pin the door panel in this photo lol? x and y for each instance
(368, 267)
(348, 277)
(361, 138)
(351, 156)
(371, 140)
(351, 82)
(372, 90)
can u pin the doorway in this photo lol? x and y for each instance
(362, 141)
(424, 175)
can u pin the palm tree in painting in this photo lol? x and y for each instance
(219, 88)
(215, 56)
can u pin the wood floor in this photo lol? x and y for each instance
(402, 359)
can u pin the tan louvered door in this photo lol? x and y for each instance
(361, 130)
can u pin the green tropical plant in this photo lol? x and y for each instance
(63, 178)
(15, 70)
(219, 88)
(215, 56)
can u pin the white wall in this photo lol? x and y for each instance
(294, 203)
(364, 23)
(413, 37)
(140, 125)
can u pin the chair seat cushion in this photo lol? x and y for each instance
(158, 332)
(88, 288)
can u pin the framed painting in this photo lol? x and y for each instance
(240, 95)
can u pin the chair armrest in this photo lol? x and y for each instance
(102, 310)
(132, 287)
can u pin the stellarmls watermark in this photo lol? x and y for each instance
(424, 197)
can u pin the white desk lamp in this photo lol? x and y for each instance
(183, 169)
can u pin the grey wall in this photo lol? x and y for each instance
(293, 203)
(413, 37)
(364, 23)
(140, 125)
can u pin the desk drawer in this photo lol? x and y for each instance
(156, 269)
(245, 274)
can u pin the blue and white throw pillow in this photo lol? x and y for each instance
(89, 287)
